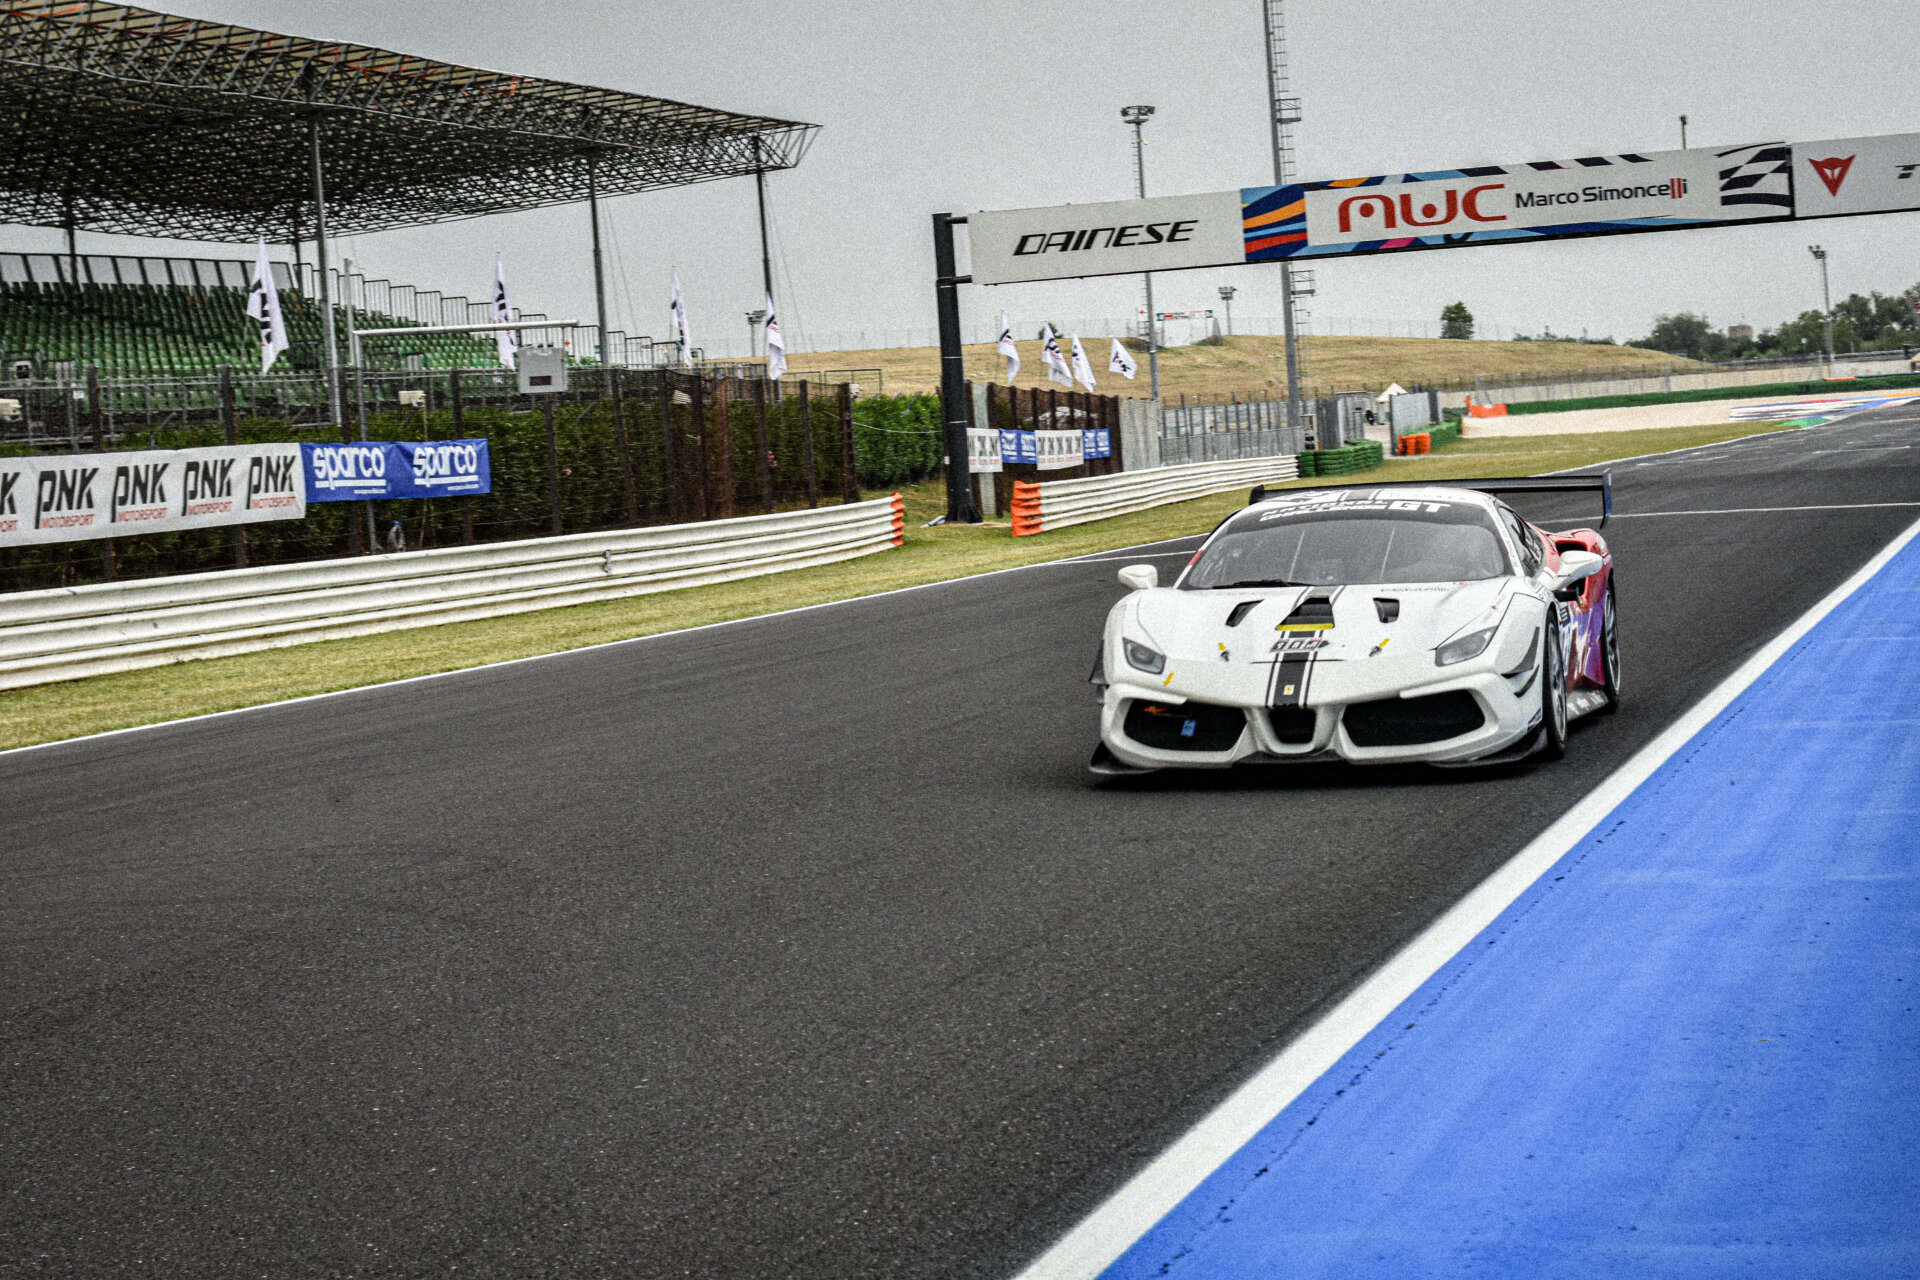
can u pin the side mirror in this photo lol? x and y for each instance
(1257, 494)
(1142, 577)
(1575, 567)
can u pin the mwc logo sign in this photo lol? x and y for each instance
(1432, 209)
(1832, 172)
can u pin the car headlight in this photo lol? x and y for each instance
(1138, 655)
(1460, 648)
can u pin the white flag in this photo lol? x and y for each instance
(505, 341)
(1056, 359)
(776, 346)
(1122, 363)
(1082, 368)
(1007, 349)
(680, 323)
(263, 306)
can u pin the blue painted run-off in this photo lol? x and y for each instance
(1691, 1049)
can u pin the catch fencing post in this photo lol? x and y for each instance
(346, 437)
(766, 465)
(723, 442)
(95, 412)
(229, 417)
(668, 489)
(699, 396)
(460, 433)
(953, 410)
(553, 463)
(849, 452)
(620, 430)
(806, 435)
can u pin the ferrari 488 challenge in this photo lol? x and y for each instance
(1372, 625)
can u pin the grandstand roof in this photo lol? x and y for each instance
(148, 124)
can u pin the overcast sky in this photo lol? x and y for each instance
(996, 104)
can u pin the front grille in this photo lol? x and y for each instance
(1293, 725)
(1190, 726)
(1406, 722)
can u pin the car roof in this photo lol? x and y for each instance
(1394, 492)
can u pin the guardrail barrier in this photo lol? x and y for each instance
(90, 630)
(1056, 504)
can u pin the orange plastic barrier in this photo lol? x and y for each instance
(1416, 442)
(1486, 411)
(899, 521)
(1025, 508)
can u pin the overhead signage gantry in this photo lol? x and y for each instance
(1624, 194)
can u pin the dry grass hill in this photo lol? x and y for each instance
(1256, 365)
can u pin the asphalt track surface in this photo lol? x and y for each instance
(803, 946)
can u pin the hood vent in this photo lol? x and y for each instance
(1313, 613)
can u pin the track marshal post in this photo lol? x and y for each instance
(953, 380)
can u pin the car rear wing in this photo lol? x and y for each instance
(1601, 484)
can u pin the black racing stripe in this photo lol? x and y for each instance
(1290, 676)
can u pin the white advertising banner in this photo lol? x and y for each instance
(1166, 233)
(75, 496)
(1453, 208)
(1060, 450)
(1660, 189)
(983, 450)
(1856, 175)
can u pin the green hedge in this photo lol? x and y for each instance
(1446, 433)
(897, 439)
(1878, 382)
(1361, 455)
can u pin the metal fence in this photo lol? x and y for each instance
(1196, 431)
(667, 448)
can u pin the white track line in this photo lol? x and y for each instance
(1741, 511)
(562, 653)
(1110, 1230)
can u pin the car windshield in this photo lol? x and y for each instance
(1356, 538)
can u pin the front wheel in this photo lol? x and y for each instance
(1553, 694)
(1609, 658)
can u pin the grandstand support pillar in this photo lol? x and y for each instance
(230, 420)
(599, 271)
(460, 433)
(953, 379)
(329, 341)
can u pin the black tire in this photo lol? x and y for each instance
(1609, 658)
(1553, 692)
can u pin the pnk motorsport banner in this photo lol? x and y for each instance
(70, 497)
(376, 470)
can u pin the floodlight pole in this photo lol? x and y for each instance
(760, 190)
(599, 273)
(1282, 110)
(1826, 302)
(1137, 116)
(953, 378)
(1226, 295)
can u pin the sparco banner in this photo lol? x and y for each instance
(69, 497)
(381, 469)
(1451, 208)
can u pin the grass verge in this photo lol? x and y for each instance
(48, 713)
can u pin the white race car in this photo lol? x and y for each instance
(1373, 625)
